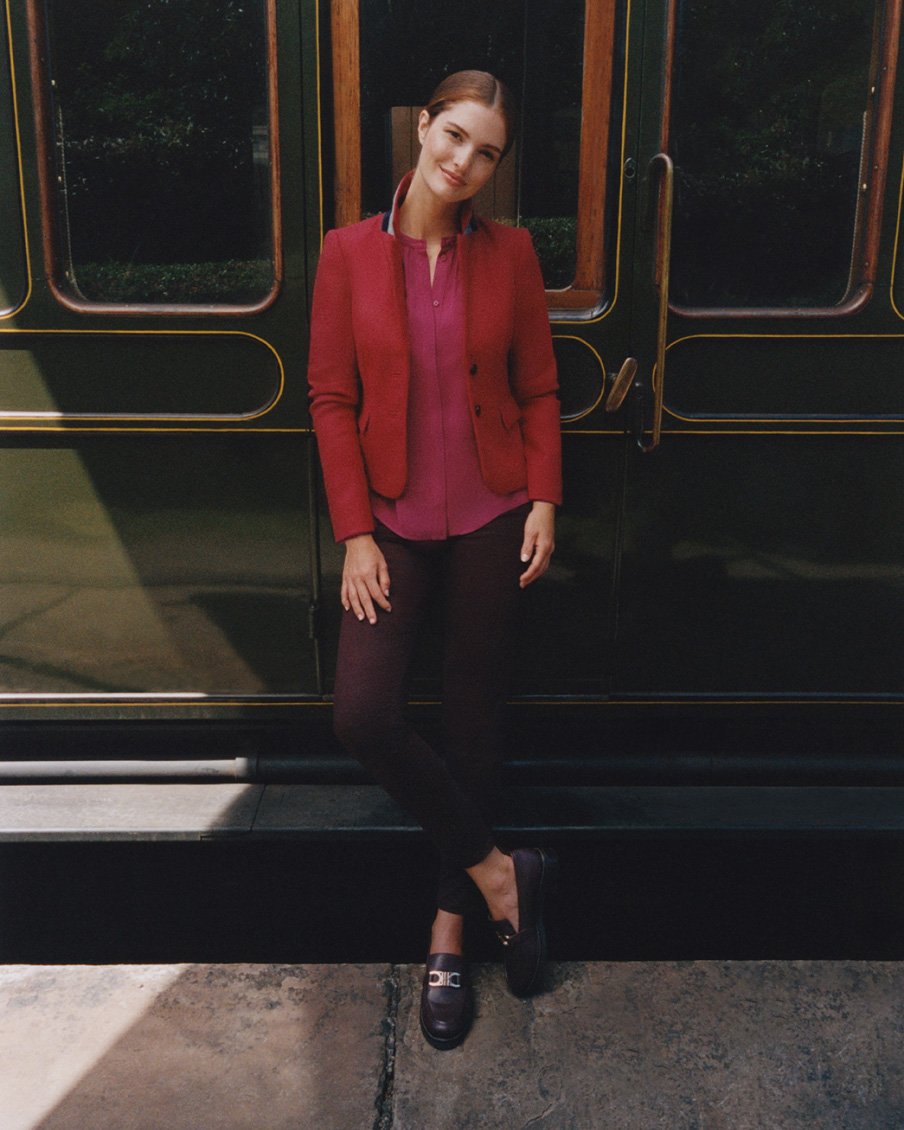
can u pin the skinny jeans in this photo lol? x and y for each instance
(450, 789)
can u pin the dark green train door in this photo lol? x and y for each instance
(761, 546)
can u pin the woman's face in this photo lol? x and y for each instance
(460, 149)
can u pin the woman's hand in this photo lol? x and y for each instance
(365, 578)
(539, 541)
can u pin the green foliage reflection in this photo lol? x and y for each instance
(769, 103)
(162, 127)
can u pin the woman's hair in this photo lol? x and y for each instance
(477, 86)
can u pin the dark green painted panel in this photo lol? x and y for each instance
(794, 376)
(167, 374)
(581, 376)
(764, 565)
(565, 643)
(13, 272)
(156, 564)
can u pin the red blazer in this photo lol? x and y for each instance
(358, 367)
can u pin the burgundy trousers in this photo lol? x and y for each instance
(449, 789)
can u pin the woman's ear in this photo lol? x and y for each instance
(423, 124)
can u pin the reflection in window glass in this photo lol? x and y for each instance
(767, 124)
(13, 266)
(407, 46)
(162, 147)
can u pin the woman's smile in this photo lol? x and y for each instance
(453, 178)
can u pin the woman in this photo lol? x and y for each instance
(433, 395)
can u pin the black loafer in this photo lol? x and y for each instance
(525, 951)
(447, 1000)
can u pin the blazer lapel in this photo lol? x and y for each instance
(398, 311)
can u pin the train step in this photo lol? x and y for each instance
(260, 812)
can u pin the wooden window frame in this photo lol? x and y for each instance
(586, 290)
(872, 177)
(52, 237)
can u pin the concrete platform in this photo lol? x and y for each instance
(683, 1046)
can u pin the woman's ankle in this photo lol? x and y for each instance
(495, 876)
(447, 933)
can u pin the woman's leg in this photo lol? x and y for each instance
(370, 705)
(481, 600)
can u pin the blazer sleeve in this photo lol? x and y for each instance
(335, 393)
(533, 379)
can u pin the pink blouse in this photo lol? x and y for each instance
(445, 494)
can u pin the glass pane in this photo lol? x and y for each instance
(767, 123)
(536, 49)
(13, 269)
(162, 127)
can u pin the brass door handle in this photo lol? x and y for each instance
(621, 385)
(661, 268)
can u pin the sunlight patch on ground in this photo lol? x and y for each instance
(57, 1023)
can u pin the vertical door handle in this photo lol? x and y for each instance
(661, 267)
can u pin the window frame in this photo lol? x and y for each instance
(588, 287)
(52, 235)
(872, 176)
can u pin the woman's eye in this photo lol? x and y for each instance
(454, 133)
(488, 154)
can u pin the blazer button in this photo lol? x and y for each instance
(476, 409)
(474, 369)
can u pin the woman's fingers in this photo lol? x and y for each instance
(539, 541)
(365, 579)
(538, 566)
(369, 596)
(527, 546)
(383, 580)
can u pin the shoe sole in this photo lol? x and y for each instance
(444, 1045)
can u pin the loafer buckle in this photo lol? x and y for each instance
(443, 979)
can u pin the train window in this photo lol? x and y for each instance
(159, 120)
(772, 124)
(14, 272)
(389, 54)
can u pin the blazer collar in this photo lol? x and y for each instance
(390, 223)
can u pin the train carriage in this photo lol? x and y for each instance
(715, 194)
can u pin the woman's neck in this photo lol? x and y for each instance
(423, 216)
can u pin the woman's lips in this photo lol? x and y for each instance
(452, 178)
